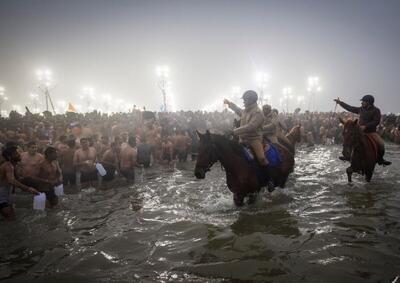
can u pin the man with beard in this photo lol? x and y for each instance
(7, 181)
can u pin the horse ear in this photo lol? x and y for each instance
(341, 120)
(199, 134)
(208, 135)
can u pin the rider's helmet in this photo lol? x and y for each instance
(250, 96)
(368, 98)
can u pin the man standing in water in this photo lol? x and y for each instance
(49, 175)
(370, 118)
(250, 130)
(128, 159)
(30, 161)
(84, 162)
(7, 181)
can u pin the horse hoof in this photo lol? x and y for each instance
(238, 201)
(252, 199)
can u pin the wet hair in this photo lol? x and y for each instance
(49, 150)
(71, 143)
(10, 144)
(132, 141)
(9, 151)
(30, 143)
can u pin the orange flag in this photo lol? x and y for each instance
(71, 108)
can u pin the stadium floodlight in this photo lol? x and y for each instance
(44, 77)
(3, 98)
(34, 97)
(313, 87)
(88, 96)
(163, 83)
(262, 79)
(287, 95)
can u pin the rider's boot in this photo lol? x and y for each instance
(382, 161)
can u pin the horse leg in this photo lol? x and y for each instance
(368, 176)
(238, 199)
(252, 198)
(349, 172)
(369, 173)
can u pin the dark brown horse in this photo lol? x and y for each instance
(359, 149)
(241, 176)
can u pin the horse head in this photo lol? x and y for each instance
(351, 135)
(295, 134)
(206, 156)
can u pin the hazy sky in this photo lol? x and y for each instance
(210, 46)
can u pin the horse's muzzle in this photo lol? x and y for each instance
(199, 173)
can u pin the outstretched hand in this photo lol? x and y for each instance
(226, 101)
(33, 191)
(337, 100)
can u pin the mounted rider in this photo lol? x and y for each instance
(273, 128)
(370, 118)
(250, 129)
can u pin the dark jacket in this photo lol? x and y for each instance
(370, 117)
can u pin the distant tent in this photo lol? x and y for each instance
(71, 108)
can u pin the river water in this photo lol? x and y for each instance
(170, 227)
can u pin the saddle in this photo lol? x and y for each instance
(271, 153)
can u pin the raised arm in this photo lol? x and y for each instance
(352, 109)
(234, 107)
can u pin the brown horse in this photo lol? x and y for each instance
(241, 176)
(360, 150)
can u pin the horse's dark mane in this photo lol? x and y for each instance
(221, 139)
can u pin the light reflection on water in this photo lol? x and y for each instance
(170, 227)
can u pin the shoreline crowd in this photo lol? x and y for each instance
(66, 149)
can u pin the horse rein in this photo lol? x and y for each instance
(211, 162)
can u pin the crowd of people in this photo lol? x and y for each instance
(43, 151)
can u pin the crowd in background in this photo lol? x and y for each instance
(68, 148)
(316, 127)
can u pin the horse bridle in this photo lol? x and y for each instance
(212, 160)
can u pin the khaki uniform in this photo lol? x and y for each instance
(250, 130)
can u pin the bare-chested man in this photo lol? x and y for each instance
(102, 146)
(182, 145)
(66, 159)
(49, 176)
(30, 160)
(167, 149)
(110, 161)
(128, 159)
(7, 181)
(61, 144)
(84, 162)
(124, 140)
